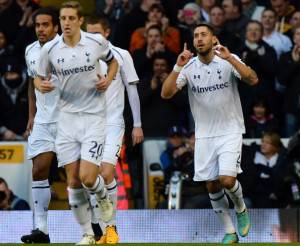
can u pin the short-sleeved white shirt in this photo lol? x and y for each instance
(115, 92)
(213, 96)
(77, 68)
(46, 104)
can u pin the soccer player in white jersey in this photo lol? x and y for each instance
(125, 78)
(43, 115)
(211, 78)
(81, 124)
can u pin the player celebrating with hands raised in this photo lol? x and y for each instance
(211, 78)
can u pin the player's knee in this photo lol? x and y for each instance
(227, 181)
(88, 180)
(213, 186)
(108, 173)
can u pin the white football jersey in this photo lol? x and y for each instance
(213, 96)
(115, 92)
(46, 104)
(77, 68)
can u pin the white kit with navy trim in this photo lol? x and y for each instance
(213, 96)
(46, 104)
(77, 68)
(115, 92)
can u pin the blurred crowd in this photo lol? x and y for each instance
(265, 34)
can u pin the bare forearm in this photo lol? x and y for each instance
(112, 69)
(31, 99)
(37, 82)
(247, 74)
(169, 87)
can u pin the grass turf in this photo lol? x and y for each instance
(168, 244)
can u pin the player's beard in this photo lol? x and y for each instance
(205, 52)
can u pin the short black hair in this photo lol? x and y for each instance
(51, 11)
(270, 9)
(157, 6)
(98, 19)
(156, 27)
(238, 3)
(256, 22)
(208, 26)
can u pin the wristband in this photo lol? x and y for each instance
(177, 68)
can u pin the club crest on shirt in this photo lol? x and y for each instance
(87, 56)
(219, 73)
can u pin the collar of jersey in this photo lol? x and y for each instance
(199, 64)
(82, 40)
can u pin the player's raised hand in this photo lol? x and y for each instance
(222, 51)
(184, 56)
(102, 83)
(46, 85)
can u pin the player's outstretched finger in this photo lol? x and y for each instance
(185, 46)
(49, 77)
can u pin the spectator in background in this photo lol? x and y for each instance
(252, 10)
(175, 140)
(294, 22)
(154, 44)
(270, 164)
(5, 49)
(8, 200)
(10, 12)
(158, 114)
(188, 18)
(13, 101)
(137, 17)
(28, 7)
(226, 38)
(295, 19)
(261, 120)
(114, 9)
(156, 16)
(205, 7)
(262, 58)
(281, 43)
(236, 21)
(26, 34)
(289, 76)
(284, 11)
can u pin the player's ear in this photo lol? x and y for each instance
(81, 20)
(56, 28)
(107, 32)
(215, 40)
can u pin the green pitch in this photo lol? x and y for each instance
(170, 244)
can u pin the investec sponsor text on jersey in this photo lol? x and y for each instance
(70, 71)
(215, 87)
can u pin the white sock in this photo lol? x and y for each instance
(98, 188)
(41, 196)
(236, 195)
(94, 209)
(220, 205)
(80, 206)
(112, 193)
